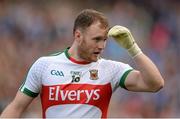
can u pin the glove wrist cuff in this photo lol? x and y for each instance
(134, 50)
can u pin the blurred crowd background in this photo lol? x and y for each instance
(30, 29)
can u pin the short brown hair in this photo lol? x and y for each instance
(87, 17)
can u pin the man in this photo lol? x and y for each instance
(78, 82)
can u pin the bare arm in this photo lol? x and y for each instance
(146, 78)
(17, 106)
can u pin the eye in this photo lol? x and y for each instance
(97, 39)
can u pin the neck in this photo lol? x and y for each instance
(74, 53)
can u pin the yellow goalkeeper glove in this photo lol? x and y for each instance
(123, 37)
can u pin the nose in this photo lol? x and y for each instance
(102, 44)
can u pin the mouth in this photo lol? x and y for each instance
(96, 53)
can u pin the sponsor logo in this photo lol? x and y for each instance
(94, 74)
(57, 73)
(56, 94)
(76, 75)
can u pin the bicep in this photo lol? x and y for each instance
(22, 100)
(17, 106)
(134, 82)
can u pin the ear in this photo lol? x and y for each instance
(78, 35)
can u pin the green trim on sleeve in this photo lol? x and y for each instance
(29, 93)
(23, 82)
(123, 78)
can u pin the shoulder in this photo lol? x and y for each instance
(113, 65)
(110, 62)
(45, 60)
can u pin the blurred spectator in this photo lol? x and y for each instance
(30, 29)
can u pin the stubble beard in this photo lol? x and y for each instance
(86, 55)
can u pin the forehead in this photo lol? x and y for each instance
(96, 29)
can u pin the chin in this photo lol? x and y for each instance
(94, 59)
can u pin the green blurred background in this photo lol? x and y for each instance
(30, 29)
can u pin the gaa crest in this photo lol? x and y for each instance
(93, 74)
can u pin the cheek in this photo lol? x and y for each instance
(86, 44)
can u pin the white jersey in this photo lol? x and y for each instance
(74, 89)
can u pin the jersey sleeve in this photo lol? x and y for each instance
(32, 83)
(119, 72)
